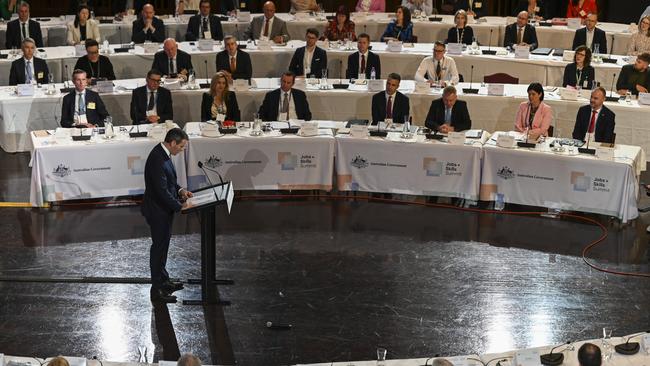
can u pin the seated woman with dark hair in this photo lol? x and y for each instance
(341, 27)
(461, 33)
(580, 73)
(220, 104)
(401, 28)
(534, 115)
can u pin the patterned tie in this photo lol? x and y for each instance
(285, 105)
(362, 70)
(592, 123)
(266, 29)
(233, 64)
(82, 105)
(519, 35)
(28, 71)
(152, 102)
(389, 107)
(439, 71)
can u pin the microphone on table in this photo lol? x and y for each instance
(489, 51)
(525, 143)
(471, 79)
(236, 30)
(66, 88)
(207, 77)
(270, 325)
(628, 348)
(553, 359)
(200, 164)
(340, 84)
(119, 32)
(611, 97)
(610, 60)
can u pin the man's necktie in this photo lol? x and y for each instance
(520, 32)
(266, 28)
(592, 123)
(447, 115)
(205, 26)
(82, 105)
(389, 107)
(362, 70)
(152, 101)
(233, 64)
(24, 31)
(171, 66)
(285, 104)
(439, 71)
(28, 71)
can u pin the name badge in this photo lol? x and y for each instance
(207, 35)
(91, 105)
(220, 117)
(242, 5)
(582, 13)
(150, 113)
(81, 119)
(478, 5)
(40, 75)
(25, 90)
(456, 138)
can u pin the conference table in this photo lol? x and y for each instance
(488, 31)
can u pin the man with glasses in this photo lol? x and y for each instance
(233, 62)
(591, 36)
(28, 69)
(438, 69)
(151, 103)
(82, 107)
(22, 28)
(309, 60)
(204, 25)
(96, 66)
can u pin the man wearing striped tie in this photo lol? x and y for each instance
(595, 122)
(28, 69)
(233, 62)
(82, 107)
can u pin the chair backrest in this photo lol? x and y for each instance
(613, 138)
(500, 78)
(550, 131)
(414, 39)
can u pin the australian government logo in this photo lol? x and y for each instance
(505, 173)
(213, 162)
(62, 171)
(359, 162)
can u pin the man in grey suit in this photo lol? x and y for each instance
(268, 26)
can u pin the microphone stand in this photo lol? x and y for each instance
(489, 51)
(471, 79)
(207, 77)
(66, 88)
(340, 84)
(553, 359)
(610, 60)
(525, 143)
(628, 348)
(611, 97)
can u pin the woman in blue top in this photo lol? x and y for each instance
(401, 28)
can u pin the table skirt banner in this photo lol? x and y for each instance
(262, 163)
(556, 181)
(429, 169)
(108, 169)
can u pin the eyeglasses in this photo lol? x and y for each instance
(93, 52)
(157, 81)
(581, 54)
(438, 51)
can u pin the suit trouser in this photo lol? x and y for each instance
(161, 232)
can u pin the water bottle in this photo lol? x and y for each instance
(628, 97)
(105, 46)
(373, 74)
(499, 202)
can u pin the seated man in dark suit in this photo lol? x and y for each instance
(286, 103)
(204, 25)
(21, 28)
(28, 69)
(361, 63)
(82, 107)
(595, 121)
(635, 78)
(310, 59)
(520, 33)
(233, 62)
(448, 114)
(148, 27)
(95, 65)
(390, 104)
(591, 36)
(171, 61)
(151, 103)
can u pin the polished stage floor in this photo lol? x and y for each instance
(349, 276)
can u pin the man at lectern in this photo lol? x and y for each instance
(162, 198)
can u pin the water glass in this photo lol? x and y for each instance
(381, 356)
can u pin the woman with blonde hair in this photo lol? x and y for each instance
(640, 42)
(58, 361)
(220, 104)
(461, 33)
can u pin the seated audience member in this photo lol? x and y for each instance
(188, 359)
(151, 103)
(189, 5)
(640, 41)
(268, 26)
(390, 104)
(7, 8)
(58, 361)
(233, 62)
(285, 103)
(448, 114)
(438, 69)
(591, 36)
(595, 119)
(310, 59)
(204, 25)
(82, 107)
(520, 33)
(461, 33)
(171, 61)
(401, 28)
(635, 78)
(82, 28)
(581, 8)
(95, 65)
(536, 9)
(580, 73)
(341, 27)
(148, 27)
(21, 28)
(423, 6)
(371, 6)
(304, 5)
(28, 69)
(219, 104)
(476, 8)
(645, 13)
(363, 61)
(589, 355)
(534, 115)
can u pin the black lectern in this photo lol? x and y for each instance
(205, 202)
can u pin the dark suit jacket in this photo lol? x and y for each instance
(624, 81)
(353, 65)
(464, 5)
(269, 109)
(529, 37)
(14, 33)
(318, 62)
(161, 190)
(95, 115)
(161, 62)
(588, 75)
(194, 28)
(460, 119)
(400, 107)
(104, 65)
(580, 39)
(604, 124)
(232, 108)
(139, 100)
(17, 72)
(467, 35)
(138, 36)
(244, 66)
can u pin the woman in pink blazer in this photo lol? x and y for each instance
(372, 6)
(534, 112)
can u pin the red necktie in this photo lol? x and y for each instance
(266, 29)
(389, 107)
(363, 64)
(592, 124)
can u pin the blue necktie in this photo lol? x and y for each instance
(447, 115)
(82, 105)
(28, 71)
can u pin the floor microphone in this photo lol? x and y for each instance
(66, 88)
(471, 79)
(611, 97)
(489, 51)
(628, 348)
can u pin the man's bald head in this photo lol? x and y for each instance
(269, 9)
(170, 47)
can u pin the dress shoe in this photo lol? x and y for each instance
(170, 286)
(160, 295)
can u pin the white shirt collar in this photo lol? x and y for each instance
(231, 56)
(169, 154)
(30, 60)
(388, 95)
(25, 22)
(83, 92)
(149, 90)
(364, 54)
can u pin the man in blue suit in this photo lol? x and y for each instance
(162, 198)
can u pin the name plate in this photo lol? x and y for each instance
(240, 84)
(496, 89)
(150, 47)
(605, 153)
(205, 44)
(158, 132)
(243, 16)
(585, 93)
(507, 141)
(173, 84)
(522, 52)
(395, 46)
(644, 98)
(308, 129)
(455, 48)
(573, 23)
(80, 50)
(456, 138)
(376, 85)
(422, 87)
(568, 94)
(264, 45)
(526, 357)
(300, 83)
(25, 90)
(359, 131)
(568, 55)
(104, 86)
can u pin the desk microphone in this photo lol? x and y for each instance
(587, 150)
(628, 348)
(203, 167)
(270, 325)
(489, 51)
(214, 190)
(119, 32)
(236, 30)
(471, 79)
(207, 78)
(340, 84)
(610, 60)
(66, 88)
(525, 143)
(553, 359)
(611, 97)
